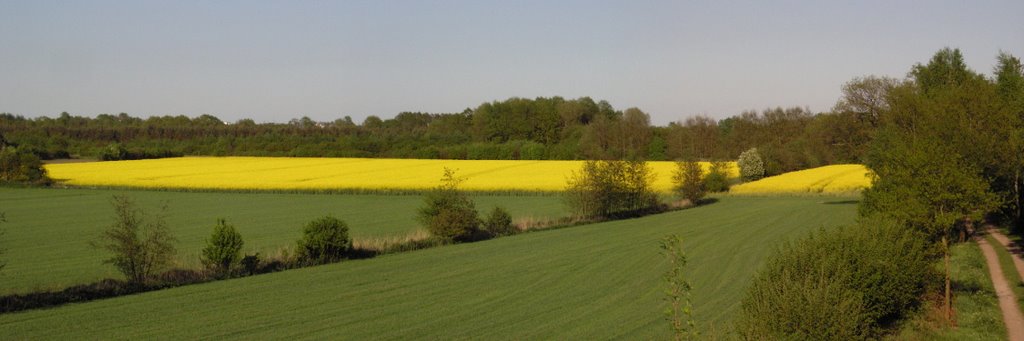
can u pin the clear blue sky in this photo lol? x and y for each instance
(277, 60)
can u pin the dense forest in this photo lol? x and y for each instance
(517, 128)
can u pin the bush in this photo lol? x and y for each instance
(687, 181)
(751, 165)
(18, 165)
(609, 189)
(850, 283)
(532, 151)
(223, 249)
(141, 246)
(448, 213)
(251, 263)
(717, 179)
(113, 152)
(811, 306)
(499, 223)
(116, 152)
(323, 240)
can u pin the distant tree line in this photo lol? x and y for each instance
(517, 128)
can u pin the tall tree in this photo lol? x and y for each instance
(937, 147)
(635, 133)
(1010, 87)
(866, 97)
(945, 69)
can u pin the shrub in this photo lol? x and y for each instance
(608, 189)
(116, 152)
(810, 306)
(717, 179)
(486, 151)
(532, 151)
(850, 283)
(141, 246)
(448, 213)
(323, 240)
(18, 165)
(751, 165)
(251, 263)
(113, 152)
(499, 223)
(687, 181)
(223, 249)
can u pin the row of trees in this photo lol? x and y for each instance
(600, 190)
(516, 128)
(141, 245)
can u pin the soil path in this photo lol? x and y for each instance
(1012, 316)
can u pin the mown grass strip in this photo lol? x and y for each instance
(1009, 270)
(977, 308)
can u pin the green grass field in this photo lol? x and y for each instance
(599, 281)
(48, 230)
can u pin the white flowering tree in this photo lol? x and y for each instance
(751, 165)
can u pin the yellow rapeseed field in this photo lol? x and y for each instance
(272, 173)
(833, 179)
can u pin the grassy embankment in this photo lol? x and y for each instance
(593, 281)
(1009, 270)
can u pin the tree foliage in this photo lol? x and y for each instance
(1010, 89)
(845, 284)
(324, 240)
(608, 189)
(20, 166)
(717, 179)
(866, 98)
(499, 223)
(223, 249)
(751, 165)
(941, 154)
(448, 213)
(516, 128)
(688, 181)
(140, 245)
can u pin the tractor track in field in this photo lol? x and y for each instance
(1012, 316)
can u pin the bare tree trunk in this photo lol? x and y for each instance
(949, 302)
(1016, 198)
